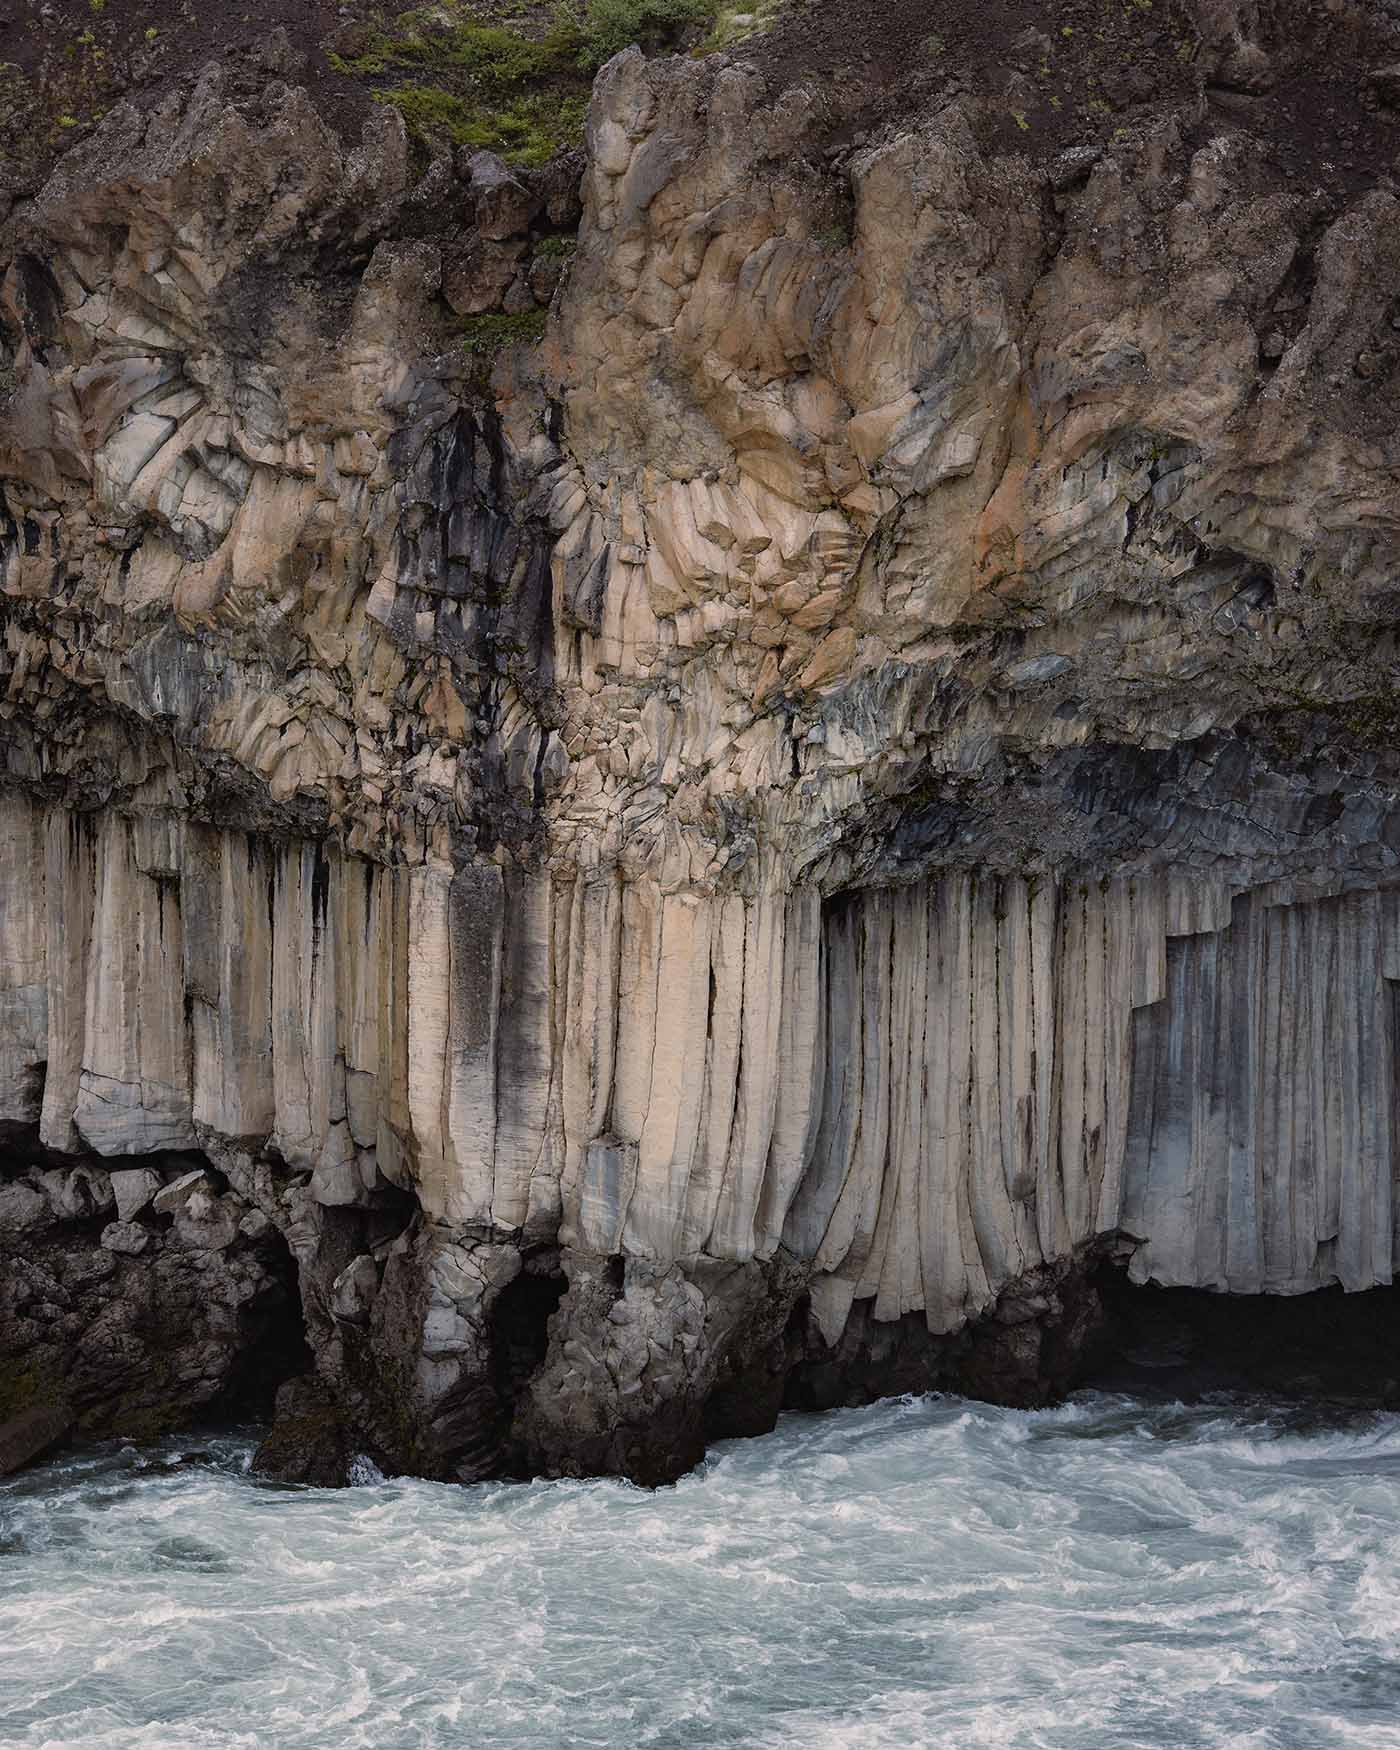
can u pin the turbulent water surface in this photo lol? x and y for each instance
(927, 1572)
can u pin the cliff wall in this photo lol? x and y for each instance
(767, 831)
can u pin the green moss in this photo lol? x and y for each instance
(737, 23)
(145, 1425)
(41, 113)
(460, 82)
(1374, 719)
(484, 336)
(474, 84)
(430, 42)
(603, 28)
(556, 248)
(527, 130)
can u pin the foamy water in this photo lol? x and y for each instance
(933, 1572)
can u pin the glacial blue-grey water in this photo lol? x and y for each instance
(1105, 1575)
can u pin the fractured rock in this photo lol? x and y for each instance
(78, 1193)
(207, 1223)
(353, 1291)
(134, 1188)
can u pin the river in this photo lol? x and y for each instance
(1112, 1573)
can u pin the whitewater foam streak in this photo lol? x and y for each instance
(1104, 1576)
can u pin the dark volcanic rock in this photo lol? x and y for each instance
(136, 1327)
(309, 1441)
(31, 1434)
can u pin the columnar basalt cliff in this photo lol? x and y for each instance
(735, 852)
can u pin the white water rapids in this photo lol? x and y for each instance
(1110, 1574)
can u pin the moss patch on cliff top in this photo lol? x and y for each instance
(513, 77)
(459, 82)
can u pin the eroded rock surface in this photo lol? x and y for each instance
(852, 781)
(131, 1326)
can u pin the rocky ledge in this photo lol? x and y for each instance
(727, 846)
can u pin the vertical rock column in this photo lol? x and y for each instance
(24, 994)
(976, 1088)
(227, 894)
(134, 1089)
(1262, 1152)
(693, 1061)
(64, 884)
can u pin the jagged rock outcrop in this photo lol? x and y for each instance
(131, 1299)
(852, 782)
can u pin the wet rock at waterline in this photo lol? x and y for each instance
(731, 855)
(30, 1434)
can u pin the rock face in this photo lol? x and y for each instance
(130, 1326)
(739, 860)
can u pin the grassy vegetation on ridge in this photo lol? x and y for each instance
(459, 81)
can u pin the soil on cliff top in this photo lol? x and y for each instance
(64, 63)
(1052, 74)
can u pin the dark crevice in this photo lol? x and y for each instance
(520, 1325)
(1323, 1348)
(276, 1348)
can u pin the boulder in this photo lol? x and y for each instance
(207, 1223)
(504, 205)
(133, 1188)
(127, 1238)
(23, 1209)
(309, 1441)
(353, 1291)
(174, 1195)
